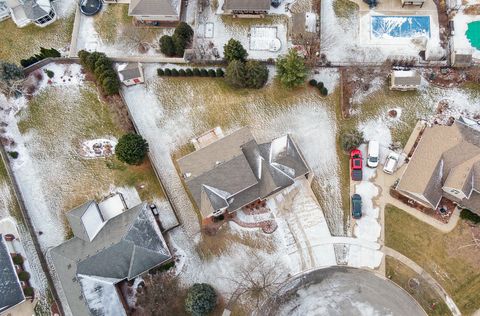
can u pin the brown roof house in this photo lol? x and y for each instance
(111, 244)
(405, 80)
(152, 10)
(445, 163)
(232, 171)
(246, 7)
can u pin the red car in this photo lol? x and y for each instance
(356, 164)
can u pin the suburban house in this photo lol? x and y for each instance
(131, 73)
(111, 244)
(226, 173)
(152, 11)
(4, 10)
(11, 292)
(246, 8)
(405, 80)
(445, 164)
(303, 26)
(25, 12)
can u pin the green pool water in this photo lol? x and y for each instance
(473, 34)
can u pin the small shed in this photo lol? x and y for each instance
(404, 80)
(131, 73)
(461, 57)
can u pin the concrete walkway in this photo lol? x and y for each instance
(425, 275)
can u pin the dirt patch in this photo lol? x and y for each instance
(467, 244)
(446, 77)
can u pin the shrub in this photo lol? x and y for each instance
(234, 50)
(166, 46)
(235, 74)
(351, 139)
(13, 154)
(180, 44)
(256, 74)
(469, 216)
(201, 299)
(24, 276)
(182, 72)
(18, 260)
(189, 72)
(49, 73)
(196, 72)
(291, 69)
(212, 73)
(203, 72)
(160, 72)
(174, 72)
(220, 72)
(28, 291)
(167, 266)
(184, 31)
(111, 85)
(324, 91)
(10, 72)
(319, 85)
(313, 82)
(131, 149)
(168, 72)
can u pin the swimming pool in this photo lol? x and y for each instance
(400, 26)
(473, 34)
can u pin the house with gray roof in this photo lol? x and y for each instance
(11, 292)
(105, 252)
(235, 170)
(404, 80)
(246, 7)
(131, 73)
(25, 12)
(445, 163)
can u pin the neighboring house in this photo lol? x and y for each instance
(233, 171)
(461, 58)
(303, 26)
(4, 10)
(155, 10)
(131, 73)
(246, 7)
(110, 245)
(11, 293)
(405, 80)
(445, 163)
(25, 12)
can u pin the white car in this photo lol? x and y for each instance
(391, 162)
(373, 154)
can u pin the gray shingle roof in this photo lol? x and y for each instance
(247, 5)
(154, 7)
(32, 10)
(131, 71)
(10, 290)
(127, 245)
(248, 172)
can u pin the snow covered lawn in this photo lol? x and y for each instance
(48, 132)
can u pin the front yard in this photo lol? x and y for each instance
(452, 259)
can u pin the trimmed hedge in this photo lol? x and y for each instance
(18, 260)
(313, 82)
(469, 216)
(44, 53)
(24, 276)
(28, 291)
(189, 72)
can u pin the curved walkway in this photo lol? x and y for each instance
(425, 275)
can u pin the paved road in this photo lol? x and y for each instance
(342, 291)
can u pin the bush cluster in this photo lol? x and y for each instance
(44, 53)
(189, 72)
(102, 68)
(131, 149)
(175, 45)
(470, 216)
(23, 276)
(250, 74)
(201, 299)
(320, 86)
(9, 73)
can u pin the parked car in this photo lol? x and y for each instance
(373, 153)
(356, 164)
(356, 206)
(391, 163)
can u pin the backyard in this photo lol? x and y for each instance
(453, 259)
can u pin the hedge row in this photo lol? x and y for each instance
(195, 72)
(320, 86)
(102, 68)
(470, 216)
(44, 53)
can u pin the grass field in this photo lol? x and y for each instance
(61, 118)
(416, 286)
(19, 43)
(449, 258)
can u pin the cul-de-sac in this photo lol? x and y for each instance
(239, 157)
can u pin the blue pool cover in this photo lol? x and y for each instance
(400, 26)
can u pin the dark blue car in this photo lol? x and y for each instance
(356, 206)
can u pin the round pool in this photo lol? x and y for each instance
(473, 34)
(90, 7)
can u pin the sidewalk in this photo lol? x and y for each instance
(425, 275)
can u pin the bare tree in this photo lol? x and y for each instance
(311, 45)
(161, 295)
(257, 280)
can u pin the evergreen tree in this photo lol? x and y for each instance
(291, 69)
(236, 74)
(257, 74)
(131, 149)
(166, 46)
(234, 50)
